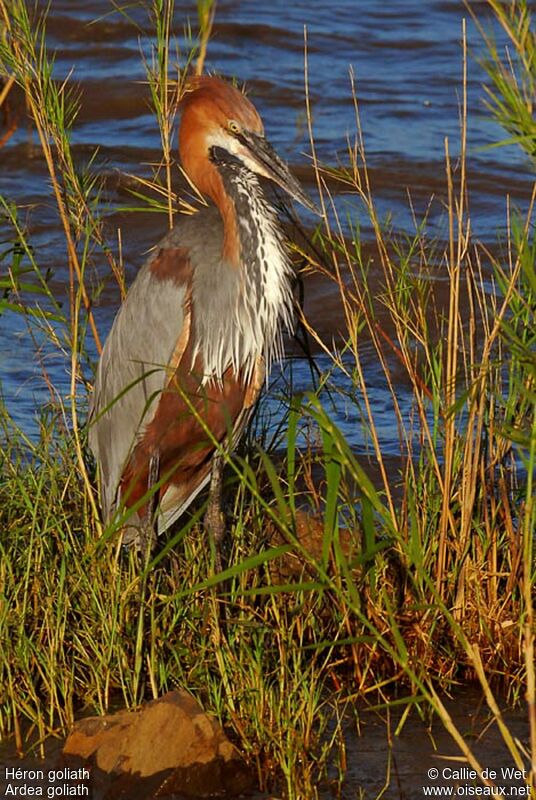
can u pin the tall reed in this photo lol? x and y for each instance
(338, 589)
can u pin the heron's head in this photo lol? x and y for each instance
(217, 121)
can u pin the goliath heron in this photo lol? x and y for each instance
(187, 353)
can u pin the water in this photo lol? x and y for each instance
(407, 64)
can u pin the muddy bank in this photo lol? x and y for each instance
(382, 753)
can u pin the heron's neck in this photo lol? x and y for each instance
(251, 228)
(231, 250)
(253, 284)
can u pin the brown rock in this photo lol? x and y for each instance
(168, 747)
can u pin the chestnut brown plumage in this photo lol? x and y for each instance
(187, 353)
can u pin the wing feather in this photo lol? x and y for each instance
(177, 499)
(143, 345)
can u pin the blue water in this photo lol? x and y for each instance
(407, 60)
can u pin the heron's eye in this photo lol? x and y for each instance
(233, 126)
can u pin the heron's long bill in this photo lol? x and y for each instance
(271, 166)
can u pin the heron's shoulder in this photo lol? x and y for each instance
(198, 236)
(170, 263)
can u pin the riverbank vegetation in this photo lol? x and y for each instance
(340, 591)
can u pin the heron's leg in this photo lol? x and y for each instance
(152, 479)
(149, 533)
(214, 521)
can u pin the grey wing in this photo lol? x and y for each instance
(134, 365)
